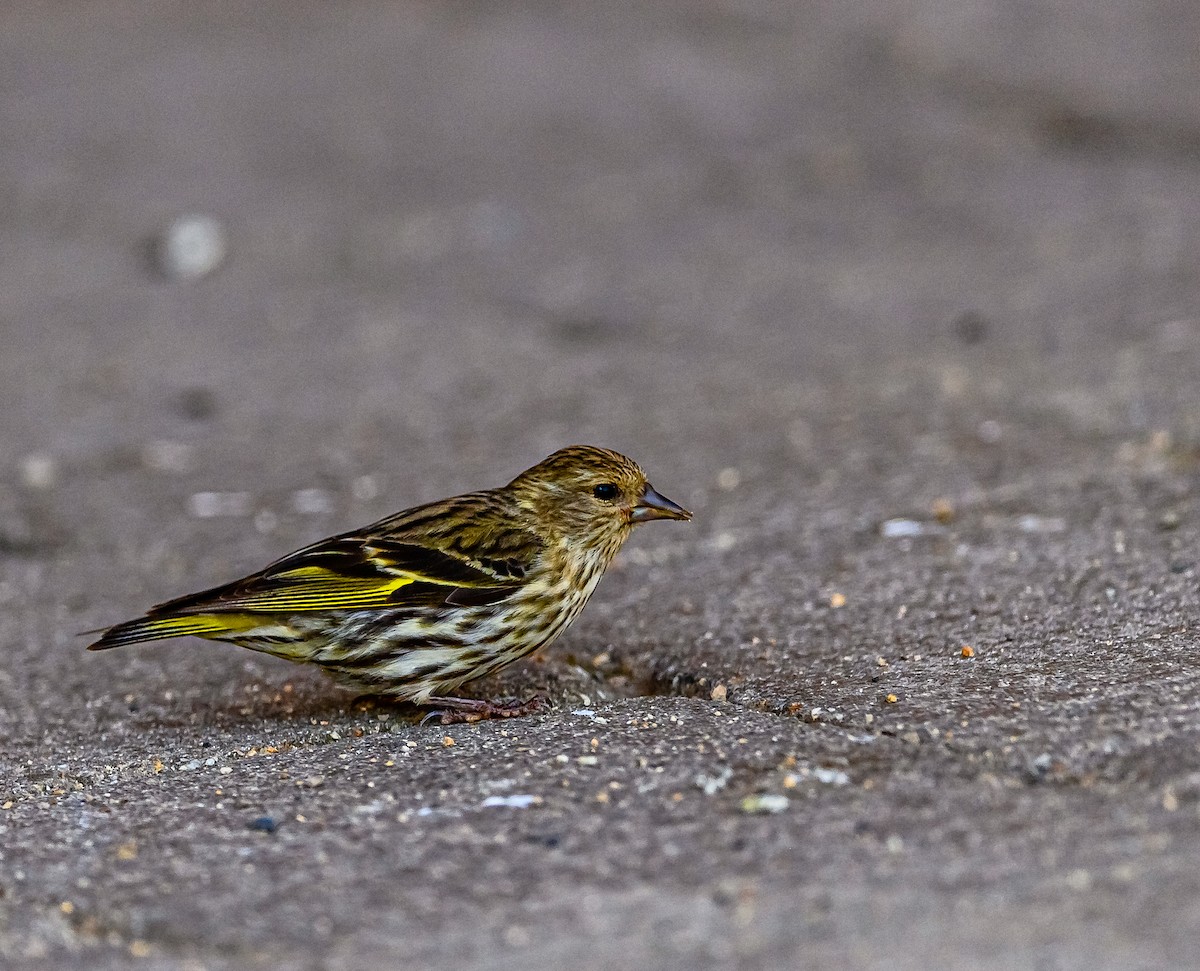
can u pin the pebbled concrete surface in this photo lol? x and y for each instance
(899, 300)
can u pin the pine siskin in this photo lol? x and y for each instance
(417, 604)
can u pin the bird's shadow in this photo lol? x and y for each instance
(306, 699)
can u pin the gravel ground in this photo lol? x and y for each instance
(899, 299)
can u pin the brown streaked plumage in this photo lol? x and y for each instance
(418, 604)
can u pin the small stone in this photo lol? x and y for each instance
(364, 488)
(724, 541)
(264, 824)
(989, 432)
(967, 651)
(1032, 523)
(167, 456)
(520, 801)
(768, 802)
(1041, 767)
(209, 505)
(710, 785)
(943, 510)
(39, 471)
(902, 529)
(1169, 520)
(831, 777)
(719, 693)
(837, 601)
(190, 248)
(311, 502)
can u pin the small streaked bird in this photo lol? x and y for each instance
(416, 605)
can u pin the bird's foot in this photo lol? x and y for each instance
(456, 711)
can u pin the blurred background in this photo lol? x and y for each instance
(271, 270)
(434, 241)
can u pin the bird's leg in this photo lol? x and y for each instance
(454, 711)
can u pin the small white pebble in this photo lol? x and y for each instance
(38, 470)
(723, 542)
(364, 488)
(167, 456)
(512, 802)
(768, 802)
(311, 502)
(989, 432)
(1041, 524)
(209, 505)
(902, 529)
(710, 785)
(191, 248)
(265, 521)
(729, 479)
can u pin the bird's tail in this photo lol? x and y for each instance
(161, 628)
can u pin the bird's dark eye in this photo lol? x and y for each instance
(605, 491)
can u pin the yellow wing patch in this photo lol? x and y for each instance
(202, 625)
(316, 588)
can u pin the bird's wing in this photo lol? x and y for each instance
(467, 551)
(428, 558)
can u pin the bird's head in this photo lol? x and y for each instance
(592, 494)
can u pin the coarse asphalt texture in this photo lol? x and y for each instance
(900, 299)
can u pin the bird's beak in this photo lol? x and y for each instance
(654, 506)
